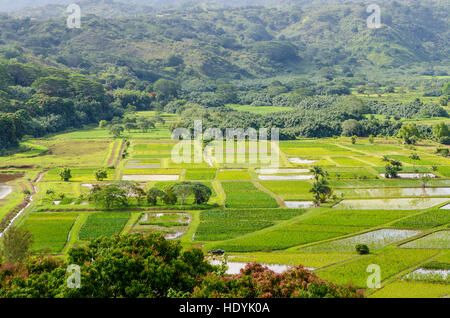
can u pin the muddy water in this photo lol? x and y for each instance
(4, 191)
(301, 161)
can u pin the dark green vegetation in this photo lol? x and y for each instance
(134, 266)
(302, 56)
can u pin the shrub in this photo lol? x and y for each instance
(362, 249)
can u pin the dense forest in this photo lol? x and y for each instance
(192, 59)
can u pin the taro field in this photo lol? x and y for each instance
(255, 213)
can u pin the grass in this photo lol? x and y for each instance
(289, 190)
(391, 262)
(363, 218)
(50, 230)
(200, 174)
(439, 239)
(374, 240)
(218, 225)
(425, 220)
(246, 195)
(233, 175)
(285, 237)
(103, 223)
(405, 289)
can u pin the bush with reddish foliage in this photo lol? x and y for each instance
(257, 281)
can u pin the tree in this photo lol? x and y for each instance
(15, 246)
(133, 266)
(184, 190)
(392, 168)
(409, 133)
(166, 89)
(102, 123)
(170, 196)
(441, 130)
(109, 196)
(258, 281)
(414, 157)
(202, 193)
(65, 174)
(145, 124)
(101, 174)
(153, 194)
(116, 130)
(351, 127)
(317, 171)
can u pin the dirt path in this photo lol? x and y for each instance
(113, 155)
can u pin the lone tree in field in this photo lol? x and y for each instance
(414, 157)
(15, 246)
(392, 167)
(65, 174)
(321, 191)
(101, 174)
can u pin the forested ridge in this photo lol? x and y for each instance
(197, 60)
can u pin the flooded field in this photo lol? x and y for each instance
(4, 191)
(301, 161)
(435, 240)
(299, 204)
(374, 240)
(412, 175)
(171, 225)
(391, 204)
(395, 192)
(429, 275)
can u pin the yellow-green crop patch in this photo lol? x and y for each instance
(103, 223)
(50, 230)
(246, 195)
(391, 262)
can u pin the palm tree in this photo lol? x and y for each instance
(414, 157)
(317, 171)
(321, 191)
(385, 158)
